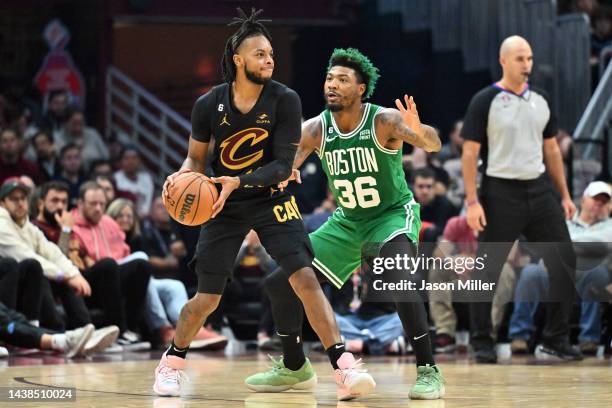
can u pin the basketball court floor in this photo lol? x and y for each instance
(216, 381)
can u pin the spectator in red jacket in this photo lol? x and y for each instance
(101, 237)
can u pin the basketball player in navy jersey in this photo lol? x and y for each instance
(256, 124)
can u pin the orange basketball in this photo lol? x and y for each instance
(191, 198)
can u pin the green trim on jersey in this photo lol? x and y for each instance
(374, 202)
(365, 178)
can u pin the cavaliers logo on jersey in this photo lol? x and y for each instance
(230, 146)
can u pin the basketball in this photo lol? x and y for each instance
(191, 198)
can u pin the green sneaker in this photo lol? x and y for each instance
(280, 378)
(429, 383)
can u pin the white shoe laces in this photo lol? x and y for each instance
(357, 366)
(172, 375)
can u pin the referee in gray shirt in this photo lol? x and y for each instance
(512, 127)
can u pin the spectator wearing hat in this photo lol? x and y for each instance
(591, 232)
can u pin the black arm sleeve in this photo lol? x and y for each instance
(201, 115)
(287, 135)
(477, 116)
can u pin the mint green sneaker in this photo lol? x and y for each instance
(429, 383)
(280, 378)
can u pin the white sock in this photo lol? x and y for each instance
(58, 342)
(35, 323)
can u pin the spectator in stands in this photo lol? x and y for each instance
(602, 30)
(20, 240)
(15, 330)
(452, 148)
(46, 155)
(591, 232)
(12, 162)
(25, 125)
(101, 237)
(101, 167)
(131, 177)
(21, 285)
(87, 138)
(435, 209)
(103, 276)
(166, 252)
(107, 184)
(57, 111)
(71, 171)
(371, 327)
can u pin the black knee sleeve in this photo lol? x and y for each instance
(287, 309)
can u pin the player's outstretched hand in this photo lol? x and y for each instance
(170, 180)
(295, 175)
(228, 184)
(409, 113)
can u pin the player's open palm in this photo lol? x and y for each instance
(409, 113)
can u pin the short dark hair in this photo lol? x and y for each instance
(425, 173)
(68, 146)
(43, 132)
(249, 27)
(88, 185)
(73, 110)
(53, 185)
(104, 177)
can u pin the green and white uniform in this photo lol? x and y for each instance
(374, 202)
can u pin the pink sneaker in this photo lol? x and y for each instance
(169, 376)
(352, 380)
(207, 339)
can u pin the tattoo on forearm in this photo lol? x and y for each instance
(431, 139)
(398, 129)
(427, 139)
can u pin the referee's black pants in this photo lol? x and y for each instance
(530, 208)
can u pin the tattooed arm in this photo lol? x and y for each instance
(395, 126)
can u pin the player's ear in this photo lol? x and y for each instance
(238, 60)
(362, 89)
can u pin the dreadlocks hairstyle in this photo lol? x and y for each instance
(249, 27)
(366, 72)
